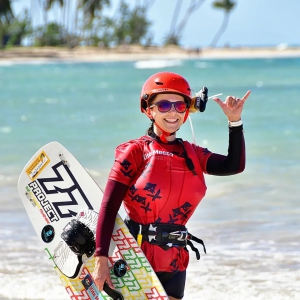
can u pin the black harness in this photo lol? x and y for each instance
(164, 235)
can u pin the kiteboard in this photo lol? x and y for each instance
(62, 201)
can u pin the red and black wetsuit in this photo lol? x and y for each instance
(155, 184)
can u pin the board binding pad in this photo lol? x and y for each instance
(57, 192)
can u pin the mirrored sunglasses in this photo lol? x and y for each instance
(166, 105)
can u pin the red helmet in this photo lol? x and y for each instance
(165, 83)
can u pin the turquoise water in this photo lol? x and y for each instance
(250, 222)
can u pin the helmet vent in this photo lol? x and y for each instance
(159, 83)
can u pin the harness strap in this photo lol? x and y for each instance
(188, 160)
(197, 240)
(164, 235)
(193, 238)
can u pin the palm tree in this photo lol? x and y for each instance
(138, 25)
(90, 9)
(147, 4)
(226, 5)
(42, 5)
(64, 25)
(6, 14)
(194, 5)
(172, 37)
(175, 32)
(49, 4)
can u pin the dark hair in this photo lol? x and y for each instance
(150, 130)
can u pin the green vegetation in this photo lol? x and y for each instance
(83, 22)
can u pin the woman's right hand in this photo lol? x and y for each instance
(101, 273)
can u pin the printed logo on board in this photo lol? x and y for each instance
(90, 286)
(87, 281)
(47, 234)
(47, 208)
(58, 196)
(37, 165)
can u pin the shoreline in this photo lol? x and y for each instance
(135, 53)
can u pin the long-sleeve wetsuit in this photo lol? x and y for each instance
(127, 165)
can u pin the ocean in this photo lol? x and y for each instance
(249, 222)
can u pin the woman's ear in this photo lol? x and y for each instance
(148, 113)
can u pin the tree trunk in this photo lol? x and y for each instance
(220, 31)
(175, 18)
(192, 8)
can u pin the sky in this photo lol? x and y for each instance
(251, 23)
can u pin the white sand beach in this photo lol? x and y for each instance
(94, 54)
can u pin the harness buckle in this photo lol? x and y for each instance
(181, 235)
(169, 233)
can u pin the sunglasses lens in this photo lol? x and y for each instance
(164, 106)
(180, 106)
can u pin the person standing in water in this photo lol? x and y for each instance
(160, 180)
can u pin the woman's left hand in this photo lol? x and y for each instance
(233, 106)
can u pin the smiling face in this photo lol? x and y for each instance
(169, 121)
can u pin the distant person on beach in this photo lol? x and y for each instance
(160, 180)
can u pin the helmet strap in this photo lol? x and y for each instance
(186, 115)
(165, 134)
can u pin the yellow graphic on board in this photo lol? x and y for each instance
(38, 165)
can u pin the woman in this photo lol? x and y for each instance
(160, 180)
